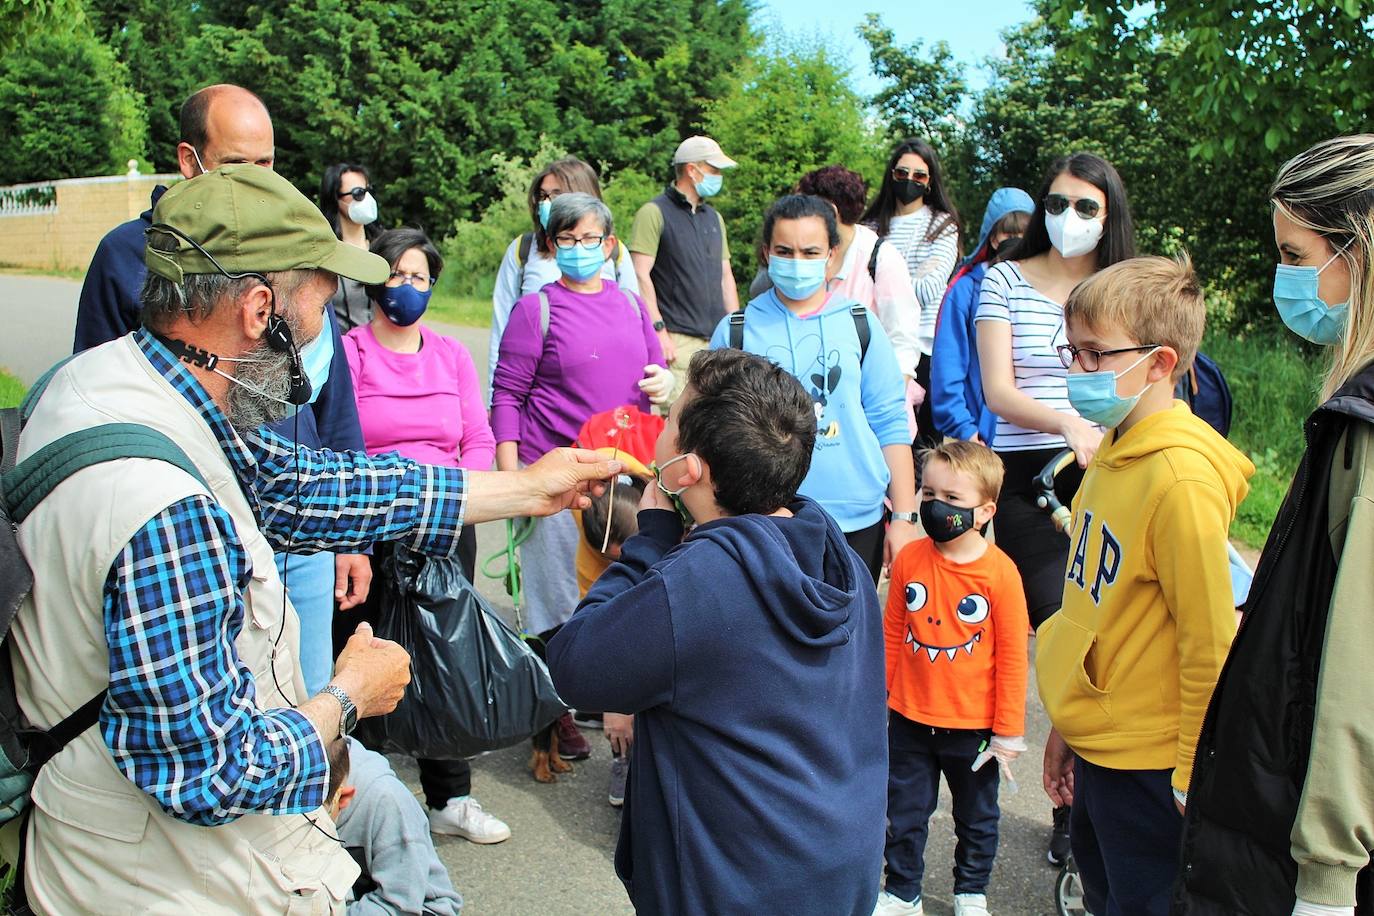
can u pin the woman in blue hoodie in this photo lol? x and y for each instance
(844, 360)
(956, 386)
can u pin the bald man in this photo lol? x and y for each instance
(226, 125)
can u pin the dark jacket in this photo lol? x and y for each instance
(1253, 750)
(109, 308)
(752, 658)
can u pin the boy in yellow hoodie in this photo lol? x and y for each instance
(1128, 664)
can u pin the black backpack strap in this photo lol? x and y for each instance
(737, 329)
(45, 745)
(35, 477)
(615, 260)
(860, 316)
(873, 261)
(10, 424)
(522, 254)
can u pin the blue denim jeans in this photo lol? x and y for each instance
(310, 584)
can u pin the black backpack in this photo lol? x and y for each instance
(856, 311)
(1204, 389)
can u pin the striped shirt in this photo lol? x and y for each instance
(1037, 327)
(930, 263)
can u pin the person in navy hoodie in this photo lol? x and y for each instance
(751, 655)
(956, 385)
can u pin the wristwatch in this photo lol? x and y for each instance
(659, 325)
(348, 714)
(904, 517)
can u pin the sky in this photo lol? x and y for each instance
(971, 27)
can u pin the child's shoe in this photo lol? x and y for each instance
(571, 744)
(892, 905)
(620, 772)
(970, 905)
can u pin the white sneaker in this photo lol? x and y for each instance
(464, 817)
(970, 905)
(892, 905)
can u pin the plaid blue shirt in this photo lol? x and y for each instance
(181, 720)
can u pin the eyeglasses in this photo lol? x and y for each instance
(547, 195)
(1091, 360)
(357, 193)
(910, 175)
(567, 242)
(419, 281)
(1085, 207)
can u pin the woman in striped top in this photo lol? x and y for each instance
(1081, 224)
(914, 213)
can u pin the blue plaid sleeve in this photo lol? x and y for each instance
(181, 719)
(316, 499)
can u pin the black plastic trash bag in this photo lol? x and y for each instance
(475, 685)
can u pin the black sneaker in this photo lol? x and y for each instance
(1059, 839)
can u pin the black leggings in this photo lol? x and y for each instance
(1026, 533)
(868, 544)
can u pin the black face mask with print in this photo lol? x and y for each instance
(944, 522)
(909, 191)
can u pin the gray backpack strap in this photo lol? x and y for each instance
(543, 314)
(634, 303)
(30, 481)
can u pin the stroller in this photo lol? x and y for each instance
(1068, 887)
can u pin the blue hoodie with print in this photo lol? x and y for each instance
(858, 409)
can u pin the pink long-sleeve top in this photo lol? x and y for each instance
(426, 405)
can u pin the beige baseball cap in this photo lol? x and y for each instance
(702, 149)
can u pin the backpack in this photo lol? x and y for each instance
(1203, 387)
(24, 751)
(858, 312)
(522, 254)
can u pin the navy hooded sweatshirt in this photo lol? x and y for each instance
(752, 657)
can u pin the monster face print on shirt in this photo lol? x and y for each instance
(936, 631)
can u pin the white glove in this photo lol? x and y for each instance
(1303, 908)
(657, 383)
(1005, 750)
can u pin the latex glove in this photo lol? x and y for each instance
(1303, 908)
(657, 384)
(1005, 750)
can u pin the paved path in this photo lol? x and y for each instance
(558, 861)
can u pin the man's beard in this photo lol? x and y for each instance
(260, 400)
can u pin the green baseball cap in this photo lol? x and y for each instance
(250, 220)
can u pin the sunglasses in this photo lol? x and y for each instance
(909, 175)
(357, 193)
(1085, 207)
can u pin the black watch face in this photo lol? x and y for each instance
(350, 719)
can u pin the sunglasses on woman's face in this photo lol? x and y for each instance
(1085, 207)
(910, 175)
(357, 193)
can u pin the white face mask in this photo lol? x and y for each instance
(363, 211)
(1071, 234)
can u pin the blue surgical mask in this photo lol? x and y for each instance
(578, 263)
(403, 305)
(545, 207)
(674, 495)
(709, 186)
(1094, 395)
(1295, 296)
(316, 358)
(797, 278)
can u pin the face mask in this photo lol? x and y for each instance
(403, 305)
(1093, 395)
(316, 358)
(363, 211)
(200, 165)
(1302, 310)
(909, 191)
(674, 495)
(545, 208)
(578, 263)
(797, 278)
(943, 521)
(1072, 235)
(709, 186)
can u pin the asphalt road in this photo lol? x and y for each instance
(558, 860)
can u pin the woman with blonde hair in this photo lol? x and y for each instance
(1280, 812)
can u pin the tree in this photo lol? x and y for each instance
(791, 110)
(66, 109)
(923, 92)
(21, 20)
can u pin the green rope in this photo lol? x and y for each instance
(518, 531)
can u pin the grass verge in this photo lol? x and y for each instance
(449, 307)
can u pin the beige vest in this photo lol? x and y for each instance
(96, 842)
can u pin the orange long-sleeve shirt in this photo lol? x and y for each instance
(956, 640)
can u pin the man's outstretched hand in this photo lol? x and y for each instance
(565, 478)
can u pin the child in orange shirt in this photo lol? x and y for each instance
(955, 633)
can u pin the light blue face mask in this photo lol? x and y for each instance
(545, 207)
(316, 358)
(797, 278)
(578, 263)
(1302, 310)
(709, 186)
(1094, 396)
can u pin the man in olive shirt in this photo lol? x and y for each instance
(681, 257)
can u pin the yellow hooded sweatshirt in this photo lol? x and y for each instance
(1127, 666)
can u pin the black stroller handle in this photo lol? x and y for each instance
(1045, 497)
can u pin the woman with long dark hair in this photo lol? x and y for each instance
(1081, 224)
(347, 201)
(915, 214)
